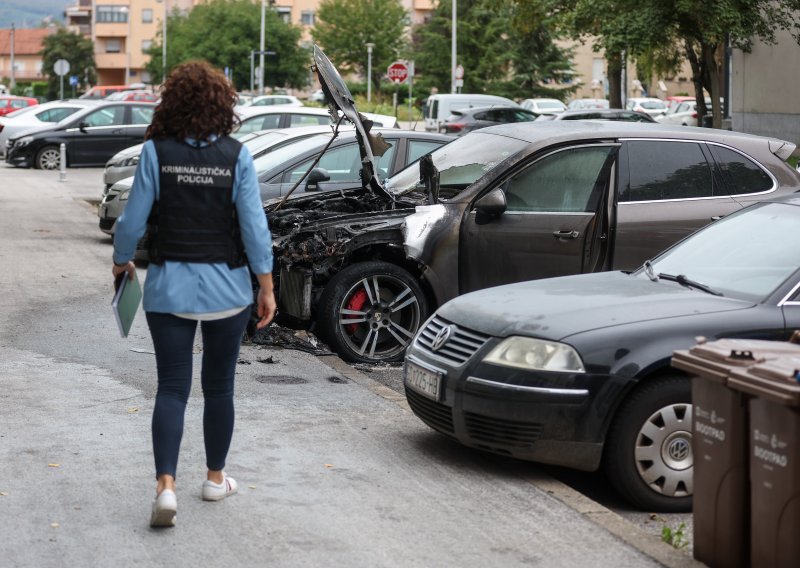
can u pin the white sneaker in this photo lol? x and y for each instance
(165, 508)
(218, 491)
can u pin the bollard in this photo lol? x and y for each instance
(62, 163)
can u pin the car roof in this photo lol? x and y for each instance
(567, 130)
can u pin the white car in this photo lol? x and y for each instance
(650, 105)
(276, 100)
(256, 118)
(36, 116)
(544, 106)
(684, 113)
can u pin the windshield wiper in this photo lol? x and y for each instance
(684, 281)
(649, 272)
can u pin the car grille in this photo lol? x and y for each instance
(436, 415)
(106, 224)
(459, 347)
(501, 432)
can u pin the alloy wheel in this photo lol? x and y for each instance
(49, 158)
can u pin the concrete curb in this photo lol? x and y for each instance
(610, 521)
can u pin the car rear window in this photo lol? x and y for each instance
(740, 174)
(667, 170)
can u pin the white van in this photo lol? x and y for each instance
(439, 107)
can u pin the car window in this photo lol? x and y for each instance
(55, 114)
(308, 120)
(19, 103)
(522, 116)
(683, 107)
(107, 116)
(561, 182)
(4, 103)
(740, 174)
(142, 115)
(343, 163)
(666, 170)
(264, 122)
(418, 148)
(487, 115)
(632, 116)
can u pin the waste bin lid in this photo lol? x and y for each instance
(774, 380)
(715, 360)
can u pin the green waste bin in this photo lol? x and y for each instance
(774, 452)
(720, 499)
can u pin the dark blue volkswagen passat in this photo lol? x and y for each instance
(575, 371)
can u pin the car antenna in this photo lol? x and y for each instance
(313, 164)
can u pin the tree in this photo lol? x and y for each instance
(224, 32)
(344, 27)
(77, 50)
(502, 52)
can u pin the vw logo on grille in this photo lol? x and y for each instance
(441, 337)
(679, 449)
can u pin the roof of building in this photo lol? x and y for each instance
(27, 41)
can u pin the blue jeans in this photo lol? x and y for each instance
(173, 338)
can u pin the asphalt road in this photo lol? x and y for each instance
(333, 468)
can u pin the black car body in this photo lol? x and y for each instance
(340, 166)
(91, 136)
(466, 120)
(606, 195)
(617, 401)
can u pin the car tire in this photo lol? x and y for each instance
(648, 456)
(386, 306)
(48, 158)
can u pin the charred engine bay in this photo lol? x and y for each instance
(317, 232)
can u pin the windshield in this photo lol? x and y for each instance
(746, 255)
(281, 156)
(461, 162)
(553, 105)
(652, 105)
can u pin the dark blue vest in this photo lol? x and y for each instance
(194, 218)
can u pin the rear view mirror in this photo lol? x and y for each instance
(316, 176)
(490, 206)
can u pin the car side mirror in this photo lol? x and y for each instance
(82, 125)
(315, 176)
(490, 206)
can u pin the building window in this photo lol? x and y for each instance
(285, 14)
(112, 14)
(147, 16)
(113, 46)
(307, 17)
(146, 45)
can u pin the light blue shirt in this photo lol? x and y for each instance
(191, 287)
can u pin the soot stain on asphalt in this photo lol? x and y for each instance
(280, 380)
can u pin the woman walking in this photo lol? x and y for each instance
(197, 191)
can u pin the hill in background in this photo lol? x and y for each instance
(31, 13)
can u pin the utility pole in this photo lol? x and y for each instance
(369, 71)
(164, 45)
(12, 83)
(261, 55)
(453, 51)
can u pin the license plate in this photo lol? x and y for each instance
(423, 381)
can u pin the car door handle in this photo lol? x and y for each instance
(566, 234)
(118, 131)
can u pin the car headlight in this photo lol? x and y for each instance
(132, 161)
(24, 141)
(125, 195)
(535, 354)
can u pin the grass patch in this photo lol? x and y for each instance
(793, 161)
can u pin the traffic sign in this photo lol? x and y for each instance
(459, 71)
(73, 80)
(397, 72)
(61, 67)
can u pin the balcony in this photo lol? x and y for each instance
(111, 29)
(111, 60)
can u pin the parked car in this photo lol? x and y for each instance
(340, 166)
(102, 91)
(575, 371)
(600, 114)
(133, 95)
(91, 136)
(463, 121)
(120, 169)
(276, 100)
(10, 103)
(544, 106)
(35, 117)
(502, 204)
(267, 118)
(317, 96)
(582, 104)
(649, 105)
(438, 107)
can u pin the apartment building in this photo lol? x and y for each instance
(28, 44)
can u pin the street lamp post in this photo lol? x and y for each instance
(369, 71)
(164, 42)
(261, 55)
(453, 51)
(125, 10)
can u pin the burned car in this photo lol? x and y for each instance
(504, 204)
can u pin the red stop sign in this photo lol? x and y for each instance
(397, 72)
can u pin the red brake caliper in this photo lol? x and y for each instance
(356, 302)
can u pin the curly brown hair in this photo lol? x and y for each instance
(196, 102)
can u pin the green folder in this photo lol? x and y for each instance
(126, 302)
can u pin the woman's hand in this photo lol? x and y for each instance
(128, 267)
(266, 307)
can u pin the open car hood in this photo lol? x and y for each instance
(342, 100)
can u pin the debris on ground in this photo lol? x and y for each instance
(275, 335)
(242, 362)
(267, 360)
(372, 367)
